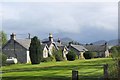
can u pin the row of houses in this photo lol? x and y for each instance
(19, 48)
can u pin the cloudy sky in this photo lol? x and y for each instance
(82, 21)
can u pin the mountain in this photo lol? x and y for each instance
(110, 42)
(101, 42)
(113, 42)
(64, 40)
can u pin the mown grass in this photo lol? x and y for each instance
(88, 70)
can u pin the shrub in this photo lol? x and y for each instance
(94, 54)
(71, 56)
(115, 52)
(3, 59)
(89, 55)
(115, 69)
(48, 59)
(52, 58)
(58, 55)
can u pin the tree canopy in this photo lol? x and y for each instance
(115, 52)
(3, 37)
(71, 56)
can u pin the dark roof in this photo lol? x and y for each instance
(23, 42)
(58, 44)
(79, 47)
(62, 47)
(43, 46)
(47, 42)
(55, 45)
(96, 48)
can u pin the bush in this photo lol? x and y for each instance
(3, 59)
(58, 55)
(89, 55)
(48, 59)
(115, 52)
(71, 56)
(114, 70)
(94, 54)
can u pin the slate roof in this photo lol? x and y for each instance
(79, 47)
(58, 44)
(49, 43)
(61, 46)
(24, 42)
(43, 46)
(45, 42)
(96, 48)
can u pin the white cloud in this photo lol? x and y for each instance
(60, 17)
(60, 0)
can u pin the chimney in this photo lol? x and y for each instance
(59, 41)
(29, 36)
(106, 43)
(50, 37)
(13, 36)
(69, 44)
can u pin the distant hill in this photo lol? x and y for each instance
(64, 40)
(110, 42)
(101, 42)
(113, 42)
(46, 39)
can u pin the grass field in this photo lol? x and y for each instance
(88, 69)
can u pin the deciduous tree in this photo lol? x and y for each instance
(3, 37)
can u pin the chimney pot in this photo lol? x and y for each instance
(13, 36)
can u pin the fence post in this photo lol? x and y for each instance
(106, 72)
(74, 75)
(119, 70)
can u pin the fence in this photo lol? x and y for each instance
(106, 76)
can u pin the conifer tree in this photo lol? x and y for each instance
(35, 50)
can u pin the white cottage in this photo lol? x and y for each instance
(45, 50)
(52, 45)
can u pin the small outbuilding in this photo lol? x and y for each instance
(78, 49)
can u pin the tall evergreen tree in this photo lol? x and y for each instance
(35, 50)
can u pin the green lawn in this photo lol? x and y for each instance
(56, 70)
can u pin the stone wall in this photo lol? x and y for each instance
(13, 49)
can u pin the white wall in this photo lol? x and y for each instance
(28, 56)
